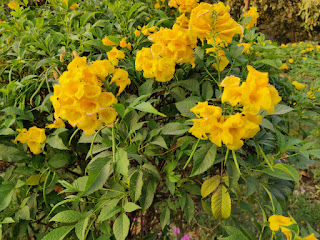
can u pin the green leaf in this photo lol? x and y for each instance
(99, 172)
(221, 203)
(289, 170)
(85, 17)
(59, 160)
(7, 220)
(269, 62)
(164, 218)
(56, 142)
(119, 108)
(282, 109)
(147, 107)
(188, 208)
(81, 228)
(203, 159)
(278, 173)
(174, 128)
(130, 207)
(135, 186)
(58, 233)
(148, 195)
(315, 152)
(6, 192)
(109, 210)
(185, 106)
(11, 154)
(146, 87)
(207, 90)
(122, 162)
(121, 227)
(160, 142)
(210, 185)
(68, 216)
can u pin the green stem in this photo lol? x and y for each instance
(192, 153)
(236, 161)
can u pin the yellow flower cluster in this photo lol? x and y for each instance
(79, 98)
(207, 20)
(184, 6)
(114, 55)
(254, 94)
(170, 46)
(227, 129)
(253, 13)
(32, 137)
(211, 22)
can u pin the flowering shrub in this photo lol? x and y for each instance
(147, 120)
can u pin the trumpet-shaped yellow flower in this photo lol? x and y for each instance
(280, 222)
(32, 137)
(107, 42)
(56, 124)
(137, 33)
(253, 13)
(121, 78)
(114, 55)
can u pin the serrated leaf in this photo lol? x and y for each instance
(56, 142)
(160, 142)
(203, 159)
(221, 203)
(188, 208)
(207, 90)
(109, 210)
(68, 216)
(59, 160)
(148, 195)
(121, 227)
(174, 128)
(185, 106)
(130, 207)
(164, 218)
(122, 162)
(290, 170)
(99, 172)
(58, 233)
(282, 109)
(210, 185)
(6, 192)
(147, 107)
(85, 17)
(81, 228)
(135, 185)
(146, 87)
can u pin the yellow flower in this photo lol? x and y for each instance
(232, 92)
(108, 115)
(56, 124)
(121, 78)
(32, 137)
(283, 67)
(89, 123)
(280, 222)
(202, 109)
(291, 60)
(183, 5)
(223, 61)
(107, 42)
(183, 21)
(157, 6)
(254, 18)
(298, 85)
(114, 55)
(123, 42)
(294, 45)
(246, 47)
(310, 237)
(13, 5)
(163, 69)
(101, 68)
(137, 33)
(106, 99)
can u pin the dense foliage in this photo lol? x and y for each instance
(151, 120)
